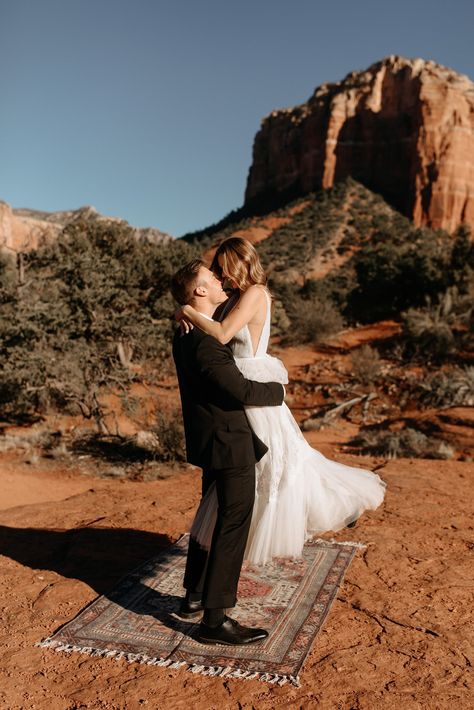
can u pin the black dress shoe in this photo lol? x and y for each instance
(229, 633)
(353, 524)
(190, 610)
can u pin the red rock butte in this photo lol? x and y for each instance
(403, 128)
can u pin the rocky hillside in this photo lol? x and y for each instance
(347, 246)
(403, 128)
(24, 229)
(314, 235)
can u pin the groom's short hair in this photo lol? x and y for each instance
(183, 282)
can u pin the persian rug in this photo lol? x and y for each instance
(137, 620)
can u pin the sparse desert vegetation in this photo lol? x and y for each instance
(88, 319)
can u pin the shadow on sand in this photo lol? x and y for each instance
(100, 557)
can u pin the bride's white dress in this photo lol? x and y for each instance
(299, 492)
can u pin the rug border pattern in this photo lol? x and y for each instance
(62, 641)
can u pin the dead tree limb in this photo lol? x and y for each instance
(339, 410)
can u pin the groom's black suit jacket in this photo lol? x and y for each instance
(213, 395)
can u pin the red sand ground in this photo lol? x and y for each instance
(399, 632)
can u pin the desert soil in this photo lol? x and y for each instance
(399, 632)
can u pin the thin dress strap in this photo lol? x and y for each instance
(264, 335)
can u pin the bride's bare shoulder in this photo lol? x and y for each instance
(255, 290)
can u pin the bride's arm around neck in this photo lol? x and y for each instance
(241, 314)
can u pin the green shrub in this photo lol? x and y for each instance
(432, 332)
(407, 443)
(451, 388)
(170, 434)
(400, 267)
(163, 442)
(280, 322)
(392, 277)
(314, 321)
(87, 298)
(429, 332)
(366, 364)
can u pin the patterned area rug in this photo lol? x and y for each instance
(136, 621)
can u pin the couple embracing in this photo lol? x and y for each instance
(265, 490)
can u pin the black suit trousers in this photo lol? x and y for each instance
(215, 574)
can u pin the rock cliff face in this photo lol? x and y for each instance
(404, 128)
(22, 229)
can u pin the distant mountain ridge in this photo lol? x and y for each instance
(24, 229)
(403, 128)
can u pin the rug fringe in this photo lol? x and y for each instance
(228, 672)
(342, 542)
(108, 653)
(214, 671)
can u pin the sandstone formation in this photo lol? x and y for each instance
(404, 128)
(23, 229)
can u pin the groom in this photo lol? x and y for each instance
(219, 440)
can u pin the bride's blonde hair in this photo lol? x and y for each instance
(240, 262)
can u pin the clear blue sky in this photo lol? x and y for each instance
(147, 109)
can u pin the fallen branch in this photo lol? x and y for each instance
(340, 409)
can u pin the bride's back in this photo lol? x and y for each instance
(252, 339)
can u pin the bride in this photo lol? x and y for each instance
(299, 492)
